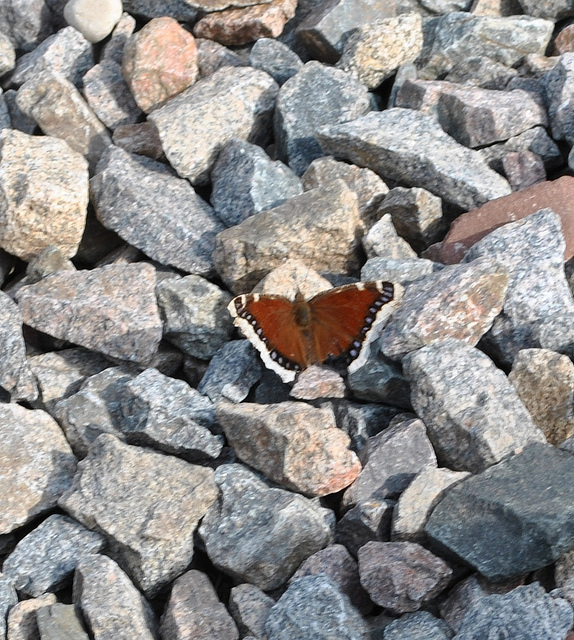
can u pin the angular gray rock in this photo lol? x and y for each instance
(7, 55)
(315, 96)
(382, 241)
(36, 465)
(276, 58)
(246, 181)
(154, 210)
(472, 413)
(418, 625)
(401, 271)
(8, 598)
(45, 559)
(552, 9)
(25, 24)
(557, 333)
(249, 607)
(313, 607)
(410, 147)
(483, 518)
(260, 534)
(146, 504)
(59, 622)
(110, 309)
(194, 313)
(558, 90)
(231, 103)
(21, 621)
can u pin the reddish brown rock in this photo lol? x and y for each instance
(470, 227)
(239, 26)
(159, 62)
(564, 42)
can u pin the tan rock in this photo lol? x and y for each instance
(564, 41)
(470, 227)
(318, 382)
(21, 624)
(159, 62)
(240, 26)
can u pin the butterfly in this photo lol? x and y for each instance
(292, 335)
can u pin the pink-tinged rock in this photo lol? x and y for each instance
(564, 41)
(401, 576)
(159, 62)
(318, 382)
(112, 310)
(470, 227)
(240, 26)
(21, 623)
(292, 443)
(523, 169)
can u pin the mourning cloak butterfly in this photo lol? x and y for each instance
(293, 335)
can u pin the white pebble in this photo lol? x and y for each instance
(94, 19)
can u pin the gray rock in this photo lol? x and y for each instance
(472, 413)
(402, 271)
(195, 316)
(250, 607)
(276, 58)
(146, 504)
(48, 261)
(382, 241)
(25, 23)
(418, 625)
(391, 460)
(195, 611)
(446, 6)
(316, 96)
(260, 534)
(66, 52)
(181, 10)
(45, 559)
(61, 111)
(155, 211)
(231, 373)
(411, 147)
(22, 623)
(328, 25)
(313, 607)
(327, 218)
(481, 72)
(5, 120)
(18, 118)
(141, 139)
(558, 90)
(169, 415)
(16, 377)
(108, 94)
(110, 309)
(212, 55)
(550, 9)
(481, 520)
(113, 49)
(36, 465)
(523, 169)
(246, 181)
(557, 333)
(8, 598)
(231, 103)
(93, 410)
(532, 250)
(7, 54)
(457, 302)
(59, 622)
(111, 606)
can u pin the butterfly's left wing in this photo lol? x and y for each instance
(344, 318)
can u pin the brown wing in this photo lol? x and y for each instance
(343, 317)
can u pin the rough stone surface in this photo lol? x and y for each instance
(401, 576)
(7, 55)
(230, 103)
(95, 22)
(155, 211)
(194, 313)
(557, 333)
(481, 520)
(293, 444)
(246, 181)
(45, 559)
(532, 250)
(43, 194)
(262, 242)
(26, 24)
(418, 625)
(60, 622)
(316, 96)
(36, 466)
(109, 309)
(411, 147)
(211, 56)
(391, 460)
(402, 271)
(147, 506)
(111, 605)
(194, 611)
(481, 71)
(383, 241)
(21, 623)
(276, 58)
(314, 607)
(558, 86)
(261, 534)
(376, 50)
(523, 169)
(460, 301)
(318, 382)
(140, 138)
(159, 62)
(8, 598)
(249, 607)
(472, 413)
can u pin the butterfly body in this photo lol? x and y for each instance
(292, 335)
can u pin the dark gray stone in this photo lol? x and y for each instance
(525, 613)
(316, 96)
(550, 9)
(249, 607)
(181, 10)
(481, 72)
(18, 118)
(25, 22)
(418, 625)
(313, 607)
(276, 58)
(557, 334)
(410, 147)
(482, 519)
(260, 534)
(8, 598)
(45, 559)
(472, 412)
(231, 373)
(558, 90)
(152, 209)
(246, 181)
(59, 622)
